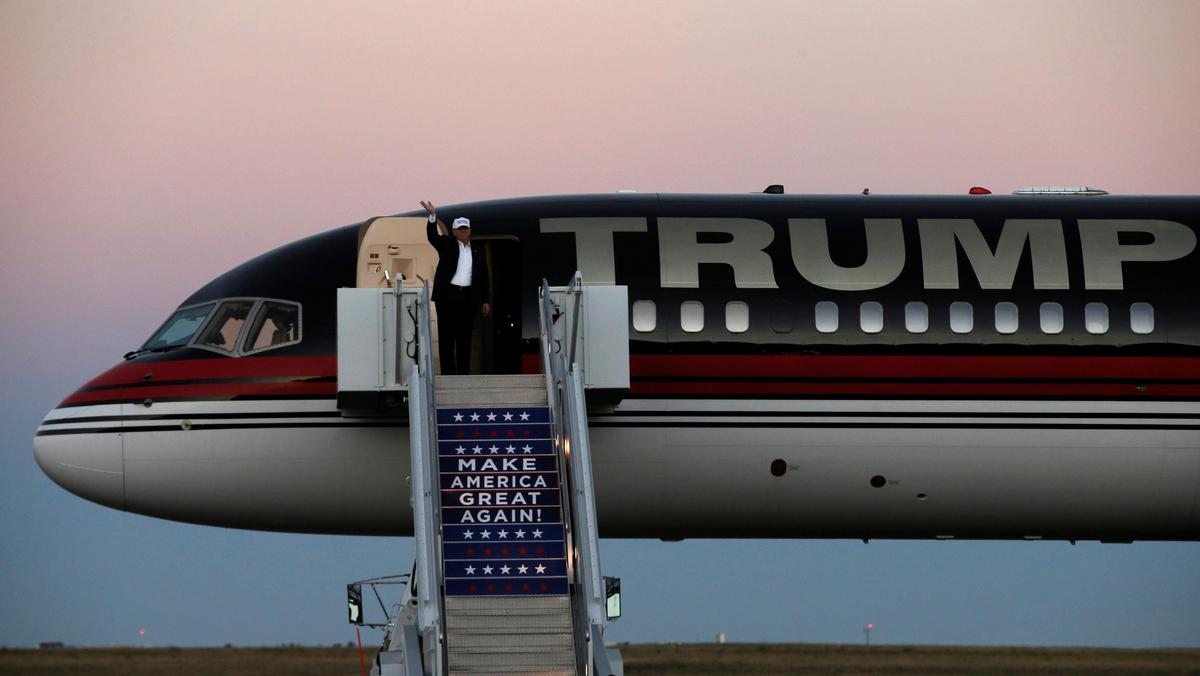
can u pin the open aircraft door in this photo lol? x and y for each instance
(375, 343)
(389, 246)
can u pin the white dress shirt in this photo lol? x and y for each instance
(462, 275)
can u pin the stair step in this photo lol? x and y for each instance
(492, 661)
(484, 397)
(510, 605)
(515, 671)
(524, 614)
(509, 643)
(502, 381)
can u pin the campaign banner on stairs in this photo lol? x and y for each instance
(501, 499)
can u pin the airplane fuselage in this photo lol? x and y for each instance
(800, 366)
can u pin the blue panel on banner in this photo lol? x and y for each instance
(501, 568)
(477, 464)
(506, 587)
(488, 447)
(455, 415)
(546, 497)
(542, 532)
(504, 550)
(501, 515)
(520, 480)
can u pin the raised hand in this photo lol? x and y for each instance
(430, 208)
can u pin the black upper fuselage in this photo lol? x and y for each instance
(779, 297)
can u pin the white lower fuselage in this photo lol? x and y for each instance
(670, 468)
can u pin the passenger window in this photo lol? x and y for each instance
(1095, 318)
(1141, 318)
(916, 317)
(827, 316)
(644, 316)
(222, 330)
(962, 317)
(1051, 317)
(275, 324)
(180, 328)
(870, 317)
(737, 316)
(691, 316)
(782, 317)
(1006, 318)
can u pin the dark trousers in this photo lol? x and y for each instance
(456, 319)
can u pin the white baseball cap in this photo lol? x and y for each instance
(461, 222)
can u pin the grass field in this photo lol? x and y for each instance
(639, 659)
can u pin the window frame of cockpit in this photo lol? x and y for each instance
(257, 303)
(214, 303)
(243, 335)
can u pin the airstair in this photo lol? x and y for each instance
(507, 578)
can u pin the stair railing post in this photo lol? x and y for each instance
(425, 503)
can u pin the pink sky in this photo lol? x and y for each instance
(149, 146)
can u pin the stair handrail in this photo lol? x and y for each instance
(564, 385)
(425, 495)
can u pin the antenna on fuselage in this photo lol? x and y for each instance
(774, 189)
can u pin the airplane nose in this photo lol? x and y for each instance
(83, 458)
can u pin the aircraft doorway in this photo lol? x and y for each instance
(496, 340)
(397, 245)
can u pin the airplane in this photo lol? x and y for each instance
(976, 366)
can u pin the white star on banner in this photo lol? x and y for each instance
(503, 535)
(470, 570)
(540, 569)
(491, 417)
(493, 448)
(537, 534)
(510, 448)
(476, 449)
(504, 570)
(520, 534)
(527, 448)
(524, 416)
(457, 417)
(467, 535)
(507, 417)
(486, 534)
(474, 417)
(487, 570)
(460, 450)
(522, 569)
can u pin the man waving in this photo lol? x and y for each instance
(460, 290)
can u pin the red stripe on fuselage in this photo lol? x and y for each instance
(911, 376)
(712, 375)
(881, 367)
(283, 376)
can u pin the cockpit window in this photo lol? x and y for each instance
(230, 326)
(275, 324)
(180, 328)
(221, 332)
